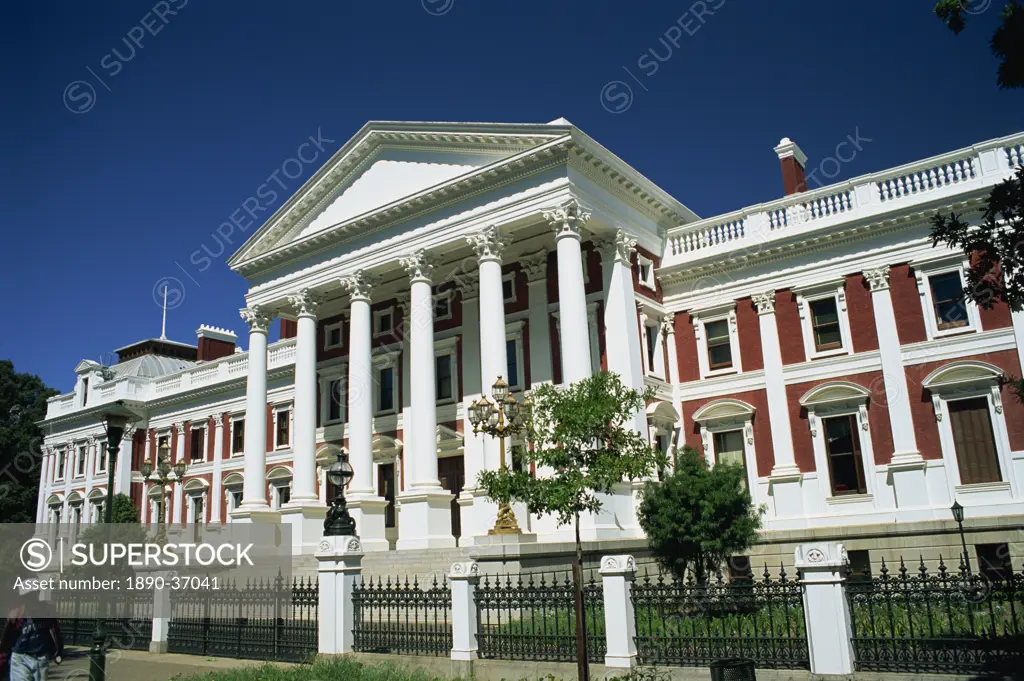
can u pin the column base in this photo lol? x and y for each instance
(785, 487)
(620, 662)
(307, 523)
(368, 512)
(907, 477)
(255, 514)
(504, 539)
(425, 520)
(158, 646)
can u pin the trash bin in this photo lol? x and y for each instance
(735, 669)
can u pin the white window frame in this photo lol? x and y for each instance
(205, 426)
(235, 419)
(377, 315)
(510, 277)
(448, 347)
(514, 332)
(327, 376)
(650, 322)
(385, 360)
(836, 290)
(447, 297)
(718, 313)
(328, 328)
(278, 478)
(81, 460)
(100, 465)
(278, 409)
(229, 490)
(841, 398)
(196, 491)
(725, 415)
(923, 271)
(648, 281)
(61, 470)
(960, 380)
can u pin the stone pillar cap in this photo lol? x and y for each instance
(821, 555)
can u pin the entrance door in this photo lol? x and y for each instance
(453, 478)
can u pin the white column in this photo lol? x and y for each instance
(217, 494)
(123, 472)
(254, 489)
(179, 485)
(786, 478)
(568, 221)
(621, 330)
(907, 465)
(425, 510)
(144, 514)
(91, 452)
(161, 613)
(44, 484)
(365, 506)
(464, 578)
(617, 575)
(822, 570)
(478, 513)
(304, 437)
(339, 564)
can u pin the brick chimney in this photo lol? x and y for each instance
(793, 160)
(215, 343)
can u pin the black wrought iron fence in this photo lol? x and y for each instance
(264, 620)
(129, 619)
(944, 621)
(394, 616)
(532, 617)
(681, 622)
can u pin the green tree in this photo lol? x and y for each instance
(580, 434)
(22, 403)
(1007, 42)
(698, 516)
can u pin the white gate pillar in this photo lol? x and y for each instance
(822, 569)
(161, 613)
(339, 563)
(617, 575)
(464, 577)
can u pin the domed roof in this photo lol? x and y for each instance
(150, 366)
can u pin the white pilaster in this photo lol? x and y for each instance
(161, 612)
(90, 477)
(254, 489)
(568, 220)
(822, 570)
(786, 478)
(365, 506)
(339, 564)
(535, 266)
(617, 575)
(217, 495)
(907, 467)
(44, 484)
(463, 578)
(179, 485)
(123, 469)
(425, 507)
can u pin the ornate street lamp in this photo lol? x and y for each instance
(162, 473)
(117, 419)
(503, 417)
(958, 516)
(338, 522)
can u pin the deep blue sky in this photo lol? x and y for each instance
(99, 206)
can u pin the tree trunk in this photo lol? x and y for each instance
(582, 658)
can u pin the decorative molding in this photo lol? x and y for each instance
(668, 323)
(765, 302)
(618, 248)
(878, 278)
(489, 243)
(535, 265)
(359, 285)
(419, 265)
(257, 319)
(568, 219)
(305, 303)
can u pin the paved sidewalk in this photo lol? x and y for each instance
(129, 665)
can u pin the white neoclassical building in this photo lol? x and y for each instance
(815, 339)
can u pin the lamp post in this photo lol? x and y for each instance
(338, 522)
(503, 417)
(116, 419)
(958, 516)
(162, 472)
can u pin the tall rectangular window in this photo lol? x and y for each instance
(102, 463)
(842, 447)
(386, 489)
(283, 432)
(974, 441)
(443, 376)
(512, 359)
(334, 400)
(729, 450)
(83, 456)
(238, 436)
(825, 323)
(85, 391)
(62, 463)
(386, 389)
(719, 345)
(508, 291)
(948, 301)
(652, 346)
(197, 444)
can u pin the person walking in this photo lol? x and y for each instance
(31, 642)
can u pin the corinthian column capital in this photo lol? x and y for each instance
(765, 302)
(419, 265)
(359, 285)
(878, 278)
(617, 248)
(489, 243)
(256, 317)
(568, 219)
(305, 303)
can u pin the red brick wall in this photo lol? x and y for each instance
(637, 286)
(289, 328)
(787, 318)
(861, 312)
(748, 329)
(758, 399)
(686, 348)
(906, 303)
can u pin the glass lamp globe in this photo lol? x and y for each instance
(499, 390)
(340, 471)
(146, 468)
(179, 470)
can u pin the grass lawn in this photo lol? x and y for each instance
(337, 669)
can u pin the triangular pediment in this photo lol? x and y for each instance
(387, 163)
